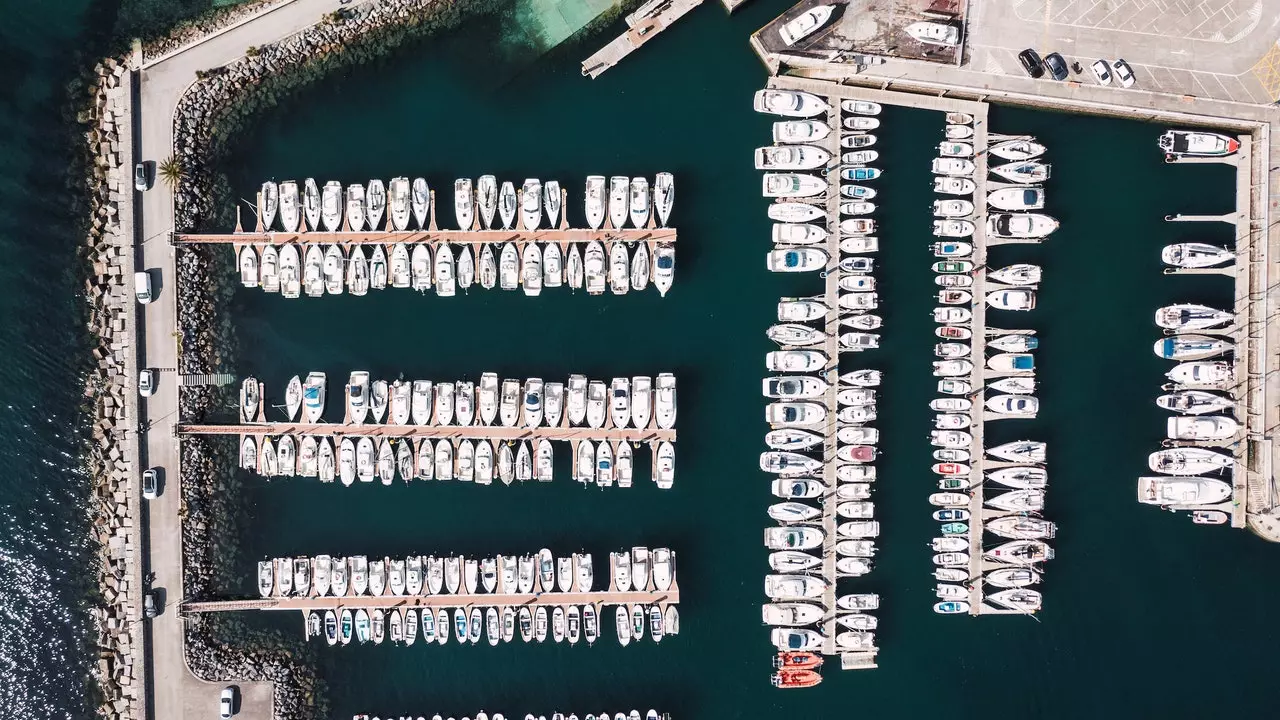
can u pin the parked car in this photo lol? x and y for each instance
(140, 177)
(1101, 72)
(1056, 65)
(150, 605)
(147, 383)
(226, 703)
(142, 286)
(150, 483)
(1032, 63)
(1124, 73)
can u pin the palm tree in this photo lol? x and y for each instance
(171, 172)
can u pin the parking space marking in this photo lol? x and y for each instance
(1267, 70)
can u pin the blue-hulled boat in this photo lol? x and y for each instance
(860, 173)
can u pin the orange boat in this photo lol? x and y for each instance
(796, 678)
(797, 661)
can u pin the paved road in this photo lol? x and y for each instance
(174, 693)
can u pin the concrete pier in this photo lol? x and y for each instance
(641, 29)
(453, 237)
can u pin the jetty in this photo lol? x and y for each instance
(643, 25)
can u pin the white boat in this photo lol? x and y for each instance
(595, 201)
(1017, 274)
(791, 157)
(464, 203)
(858, 141)
(639, 202)
(531, 204)
(1191, 347)
(356, 207)
(1177, 491)
(952, 185)
(805, 24)
(358, 272)
(801, 309)
(1204, 427)
(796, 260)
(619, 269)
(794, 413)
(952, 228)
(795, 360)
(445, 277)
(619, 186)
(1195, 402)
(487, 199)
(934, 33)
(1020, 477)
(1191, 317)
(958, 132)
(248, 266)
(531, 270)
(800, 131)
(268, 200)
(1023, 451)
(793, 512)
(594, 268)
(597, 403)
(1016, 198)
(798, 587)
(664, 195)
(1013, 385)
(1202, 374)
(1177, 143)
(310, 204)
(791, 614)
(665, 401)
(1012, 299)
(1018, 149)
(1021, 225)
(952, 208)
(860, 107)
(797, 489)
(290, 276)
(1012, 363)
(269, 269)
(789, 103)
(378, 397)
(1195, 255)
(551, 196)
(792, 185)
(859, 341)
(331, 206)
(795, 212)
(1027, 172)
(860, 157)
(313, 277)
(289, 206)
(957, 167)
(376, 204)
(420, 202)
(795, 335)
(664, 267)
(1031, 500)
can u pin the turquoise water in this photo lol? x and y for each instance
(1139, 604)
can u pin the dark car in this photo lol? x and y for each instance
(1057, 66)
(1031, 63)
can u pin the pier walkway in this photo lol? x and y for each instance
(474, 432)
(643, 25)
(661, 598)
(454, 237)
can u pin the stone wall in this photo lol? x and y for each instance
(197, 29)
(109, 294)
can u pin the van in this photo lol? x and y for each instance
(142, 286)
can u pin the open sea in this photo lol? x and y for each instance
(1145, 614)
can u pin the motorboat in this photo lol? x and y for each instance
(952, 386)
(551, 197)
(1202, 427)
(248, 263)
(789, 103)
(664, 267)
(858, 226)
(378, 268)
(860, 174)
(1191, 347)
(857, 208)
(1196, 255)
(859, 341)
(594, 200)
(1021, 451)
(531, 268)
(858, 602)
(1012, 363)
(289, 207)
(445, 277)
(857, 141)
(947, 315)
(793, 387)
(952, 208)
(356, 211)
(1209, 517)
(331, 206)
(860, 107)
(957, 167)
(951, 607)
(953, 185)
(949, 499)
(953, 267)
(639, 202)
(1016, 405)
(1016, 198)
(955, 149)
(791, 614)
(795, 212)
(619, 269)
(790, 157)
(859, 157)
(531, 204)
(798, 234)
(951, 559)
(797, 489)
(1178, 143)
(958, 132)
(953, 296)
(786, 587)
(800, 131)
(792, 185)
(1020, 274)
(805, 24)
(857, 192)
(464, 203)
(934, 33)
(793, 512)
(1188, 316)
(420, 203)
(269, 269)
(1202, 374)
(1027, 172)
(952, 368)
(950, 515)
(860, 123)
(862, 322)
(954, 281)
(795, 335)
(1195, 402)
(1020, 501)
(1017, 149)
(594, 268)
(1016, 385)
(1020, 225)
(1020, 477)
(1021, 552)
(795, 360)
(858, 435)
(618, 207)
(801, 309)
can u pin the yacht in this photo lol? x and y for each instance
(619, 269)
(1021, 274)
(800, 131)
(1027, 172)
(594, 268)
(531, 270)
(268, 200)
(1204, 427)
(1195, 402)
(1019, 149)
(1189, 461)
(1021, 552)
(791, 157)
(1191, 347)
(958, 167)
(250, 399)
(531, 204)
(331, 206)
(786, 587)
(420, 202)
(664, 195)
(790, 103)
(952, 228)
(952, 208)
(1016, 198)
(1012, 299)
(595, 201)
(1021, 225)
(794, 212)
(793, 512)
(358, 272)
(793, 185)
(1191, 317)
(290, 213)
(355, 207)
(487, 199)
(551, 202)
(1202, 374)
(445, 278)
(860, 107)
(310, 204)
(805, 24)
(797, 489)
(618, 188)
(1195, 255)
(1022, 600)
(1018, 501)
(665, 401)
(795, 360)
(1175, 491)
(791, 614)
(464, 203)
(1012, 577)
(378, 397)
(934, 33)
(1020, 451)
(955, 149)
(378, 268)
(952, 185)
(270, 269)
(796, 260)
(1020, 477)
(1012, 363)
(1177, 143)
(377, 203)
(400, 272)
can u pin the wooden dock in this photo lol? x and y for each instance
(640, 31)
(470, 432)
(387, 602)
(653, 236)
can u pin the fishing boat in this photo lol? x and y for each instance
(487, 199)
(1179, 143)
(1195, 402)
(953, 185)
(420, 202)
(1027, 172)
(800, 131)
(1020, 225)
(790, 103)
(792, 185)
(1204, 427)
(463, 203)
(1196, 255)
(1187, 316)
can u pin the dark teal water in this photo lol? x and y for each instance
(1146, 615)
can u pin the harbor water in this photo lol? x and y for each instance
(1145, 614)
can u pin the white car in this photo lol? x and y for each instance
(1101, 72)
(142, 286)
(147, 383)
(226, 703)
(140, 177)
(1123, 72)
